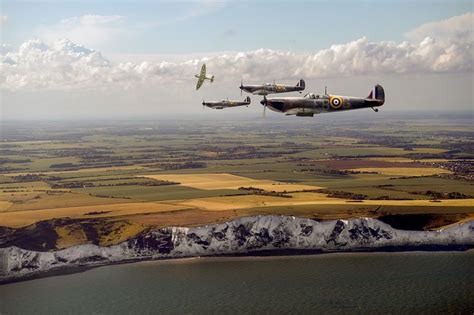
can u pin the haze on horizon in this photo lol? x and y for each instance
(62, 60)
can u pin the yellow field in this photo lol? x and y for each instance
(255, 201)
(225, 204)
(391, 159)
(404, 171)
(4, 205)
(428, 150)
(61, 200)
(228, 181)
(22, 218)
(31, 206)
(433, 160)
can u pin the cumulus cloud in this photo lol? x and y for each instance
(457, 29)
(37, 65)
(433, 49)
(91, 30)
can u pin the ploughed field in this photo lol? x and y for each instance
(91, 182)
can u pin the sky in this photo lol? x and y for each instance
(132, 59)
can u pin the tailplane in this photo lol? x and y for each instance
(212, 79)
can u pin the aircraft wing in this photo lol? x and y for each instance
(200, 82)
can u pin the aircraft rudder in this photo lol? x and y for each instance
(379, 93)
(301, 84)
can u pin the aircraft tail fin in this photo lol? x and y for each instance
(301, 84)
(247, 99)
(377, 93)
(212, 79)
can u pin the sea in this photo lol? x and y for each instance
(338, 283)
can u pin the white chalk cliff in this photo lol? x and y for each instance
(241, 236)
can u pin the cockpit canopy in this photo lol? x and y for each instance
(314, 96)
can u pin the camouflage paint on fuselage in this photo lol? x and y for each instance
(268, 88)
(202, 77)
(227, 103)
(312, 104)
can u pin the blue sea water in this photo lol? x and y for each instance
(368, 283)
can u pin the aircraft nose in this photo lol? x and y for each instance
(264, 101)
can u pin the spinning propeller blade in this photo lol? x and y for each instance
(264, 103)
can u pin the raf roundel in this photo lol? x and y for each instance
(336, 102)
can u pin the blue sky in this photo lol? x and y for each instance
(138, 58)
(183, 27)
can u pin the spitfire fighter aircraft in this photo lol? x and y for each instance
(202, 76)
(226, 103)
(268, 88)
(312, 104)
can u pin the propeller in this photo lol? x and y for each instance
(241, 87)
(203, 104)
(264, 103)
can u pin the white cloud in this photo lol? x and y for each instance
(457, 29)
(63, 64)
(3, 19)
(37, 65)
(91, 30)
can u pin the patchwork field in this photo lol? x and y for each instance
(299, 199)
(403, 171)
(212, 181)
(104, 182)
(82, 171)
(23, 218)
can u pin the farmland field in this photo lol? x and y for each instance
(214, 181)
(119, 178)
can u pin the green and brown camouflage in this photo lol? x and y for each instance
(272, 88)
(312, 104)
(202, 77)
(227, 103)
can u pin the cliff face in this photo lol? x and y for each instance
(241, 236)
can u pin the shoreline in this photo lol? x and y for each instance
(269, 253)
(257, 236)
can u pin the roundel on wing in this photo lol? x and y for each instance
(336, 102)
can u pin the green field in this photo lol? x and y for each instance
(55, 165)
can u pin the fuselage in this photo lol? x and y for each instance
(225, 104)
(203, 77)
(312, 104)
(268, 88)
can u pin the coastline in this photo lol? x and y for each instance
(61, 271)
(258, 236)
